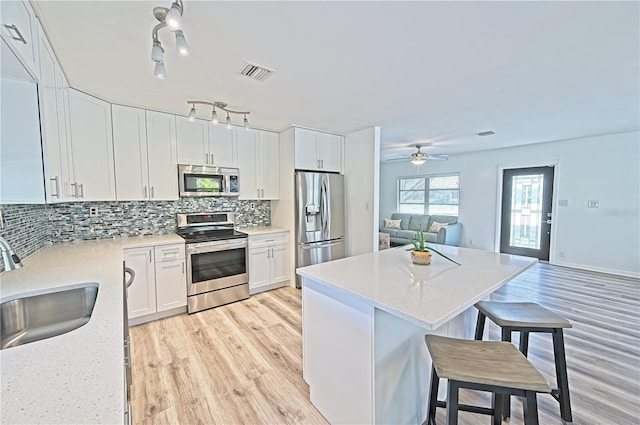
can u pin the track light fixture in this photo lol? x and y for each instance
(214, 116)
(172, 18)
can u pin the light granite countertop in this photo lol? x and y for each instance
(261, 230)
(428, 296)
(77, 377)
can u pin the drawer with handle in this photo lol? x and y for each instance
(169, 252)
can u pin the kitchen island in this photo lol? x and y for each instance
(364, 321)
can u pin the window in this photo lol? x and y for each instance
(433, 195)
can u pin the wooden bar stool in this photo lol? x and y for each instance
(525, 317)
(492, 366)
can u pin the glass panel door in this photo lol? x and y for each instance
(526, 212)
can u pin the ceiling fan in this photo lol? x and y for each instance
(419, 158)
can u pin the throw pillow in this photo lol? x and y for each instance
(392, 224)
(435, 227)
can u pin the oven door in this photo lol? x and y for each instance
(216, 265)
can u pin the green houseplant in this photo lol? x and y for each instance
(421, 253)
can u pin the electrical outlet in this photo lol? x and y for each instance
(252, 205)
(471, 242)
(562, 254)
(3, 222)
(593, 204)
(93, 211)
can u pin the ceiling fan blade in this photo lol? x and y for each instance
(438, 157)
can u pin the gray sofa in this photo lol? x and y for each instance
(410, 223)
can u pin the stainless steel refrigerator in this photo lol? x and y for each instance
(319, 218)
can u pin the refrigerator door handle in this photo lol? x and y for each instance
(316, 245)
(324, 205)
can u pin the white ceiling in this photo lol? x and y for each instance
(435, 72)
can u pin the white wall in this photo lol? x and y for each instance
(604, 168)
(361, 174)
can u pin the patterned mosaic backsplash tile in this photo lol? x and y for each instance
(25, 228)
(30, 227)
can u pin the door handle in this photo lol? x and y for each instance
(57, 194)
(145, 192)
(75, 189)
(17, 31)
(132, 274)
(81, 187)
(152, 194)
(548, 221)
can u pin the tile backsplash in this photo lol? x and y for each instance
(30, 227)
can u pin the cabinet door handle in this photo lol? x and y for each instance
(145, 192)
(262, 192)
(183, 267)
(17, 31)
(57, 194)
(258, 190)
(206, 158)
(152, 194)
(81, 187)
(75, 189)
(322, 163)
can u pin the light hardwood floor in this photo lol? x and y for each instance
(242, 363)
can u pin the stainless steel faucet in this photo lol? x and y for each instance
(11, 260)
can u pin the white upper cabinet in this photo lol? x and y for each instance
(193, 141)
(21, 178)
(92, 147)
(161, 149)
(223, 148)
(130, 153)
(19, 30)
(145, 154)
(258, 161)
(318, 151)
(269, 153)
(201, 143)
(54, 127)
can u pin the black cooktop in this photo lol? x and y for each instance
(209, 233)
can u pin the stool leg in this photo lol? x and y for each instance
(561, 375)
(524, 343)
(506, 399)
(452, 402)
(496, 405)
(480, 325)
(433, 397)
(530, 408)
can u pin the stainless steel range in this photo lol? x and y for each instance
(216, 260)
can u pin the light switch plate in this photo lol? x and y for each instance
(593, 204)
(563, 203)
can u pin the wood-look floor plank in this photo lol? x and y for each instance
(242, 363)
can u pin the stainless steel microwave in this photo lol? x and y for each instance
(200, 181)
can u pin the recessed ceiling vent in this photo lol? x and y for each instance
(255, 72)
(486, 133)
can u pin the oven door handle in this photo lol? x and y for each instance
(199, 248)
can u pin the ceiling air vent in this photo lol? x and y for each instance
(255, 72)
(486, 133)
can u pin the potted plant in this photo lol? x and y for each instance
(421, 253)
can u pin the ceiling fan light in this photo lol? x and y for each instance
(174, 16)
(192, 113)
(228, 120)
(246, 123)
(181, 43)
(159, 71)
(214, 116)
(418, 161)
(157, 52)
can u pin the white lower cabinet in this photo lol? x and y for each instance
(268, 261)
(160, 286)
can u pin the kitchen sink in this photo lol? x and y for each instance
(38, 317)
